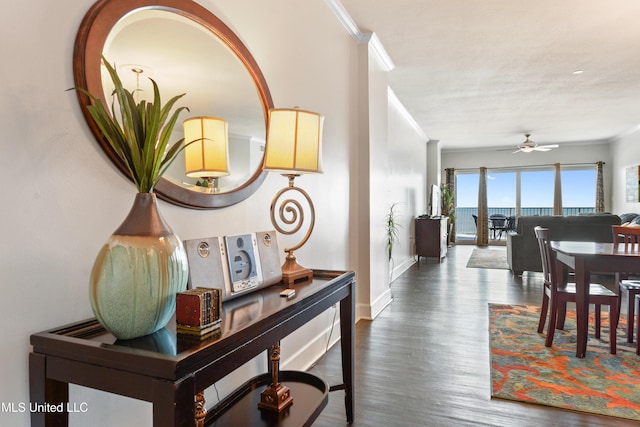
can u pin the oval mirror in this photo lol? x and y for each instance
(185, 49)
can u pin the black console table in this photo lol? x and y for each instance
(172, 372)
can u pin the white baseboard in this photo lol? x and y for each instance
(379, 304)
(404, 266)
(370, 311)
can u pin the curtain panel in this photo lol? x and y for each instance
(450, 183)
(599, 187)
(482, 235)
(557, 191)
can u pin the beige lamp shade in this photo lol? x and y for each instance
(294, 141)
(208, 156)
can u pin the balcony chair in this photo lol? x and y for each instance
(630, 288)
(475, 220)
(559, 295)
(498, 224)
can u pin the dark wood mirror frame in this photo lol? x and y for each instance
(89, 44)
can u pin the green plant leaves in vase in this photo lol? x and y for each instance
(141, 267)
(138, 132)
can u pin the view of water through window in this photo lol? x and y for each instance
(535, 192)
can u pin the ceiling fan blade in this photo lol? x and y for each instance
(549, 146)
(541, 149)
(517, 151)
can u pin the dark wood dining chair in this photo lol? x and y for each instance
(623, 235)
(556, 296)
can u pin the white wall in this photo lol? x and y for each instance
(62, 199)
(624, 153)
(575, 153)
(377, 167)
(391, 170)
(406, 183)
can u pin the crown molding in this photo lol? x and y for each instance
(393, 99)
(352, 29)
(624, 134)
(345, 19)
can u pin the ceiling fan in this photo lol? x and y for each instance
(528, 146)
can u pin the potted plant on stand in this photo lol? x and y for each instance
(142, 266)
(448, 209)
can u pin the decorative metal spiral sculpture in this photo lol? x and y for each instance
(291, 213)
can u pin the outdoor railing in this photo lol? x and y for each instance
(465, 224)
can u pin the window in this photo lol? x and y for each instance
(501, 193)
(578, 191)
(536, 192)
(530, 190)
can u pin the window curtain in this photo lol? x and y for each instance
(449, 181)
(482, 235)
(599, 187)
(557, 192)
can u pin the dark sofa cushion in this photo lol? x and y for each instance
(594, 228)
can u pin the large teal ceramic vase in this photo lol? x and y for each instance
(138, 272)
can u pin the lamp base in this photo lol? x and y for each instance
(292, 272)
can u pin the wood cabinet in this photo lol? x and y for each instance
(431, 237)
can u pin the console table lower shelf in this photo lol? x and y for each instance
(310, 396)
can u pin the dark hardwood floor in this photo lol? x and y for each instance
(424, 361)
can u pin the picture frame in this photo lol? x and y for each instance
(632, 184)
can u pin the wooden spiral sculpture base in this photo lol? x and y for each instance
(291, 212)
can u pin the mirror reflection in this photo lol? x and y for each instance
(184, 57)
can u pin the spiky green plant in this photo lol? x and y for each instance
(393, 234)
(448, 202)
(139, 134)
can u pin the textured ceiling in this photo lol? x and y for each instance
(483, 73)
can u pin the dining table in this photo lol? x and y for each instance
(585, 258)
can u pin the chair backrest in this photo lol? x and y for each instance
(548, 258)
(625, 235)
(475, 219)
(498, 220)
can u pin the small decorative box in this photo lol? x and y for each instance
(198, 311)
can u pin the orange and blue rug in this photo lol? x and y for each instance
(523, 369)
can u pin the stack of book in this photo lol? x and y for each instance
(198, 311)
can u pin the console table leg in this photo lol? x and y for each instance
(173, 403)
(347, 345)
(43, 390)
(200, 409)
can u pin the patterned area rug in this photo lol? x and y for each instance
(523, 369)
(488, 258)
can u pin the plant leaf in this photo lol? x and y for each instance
(138, 132)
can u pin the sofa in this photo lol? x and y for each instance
(523, 253)
(630, 218)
